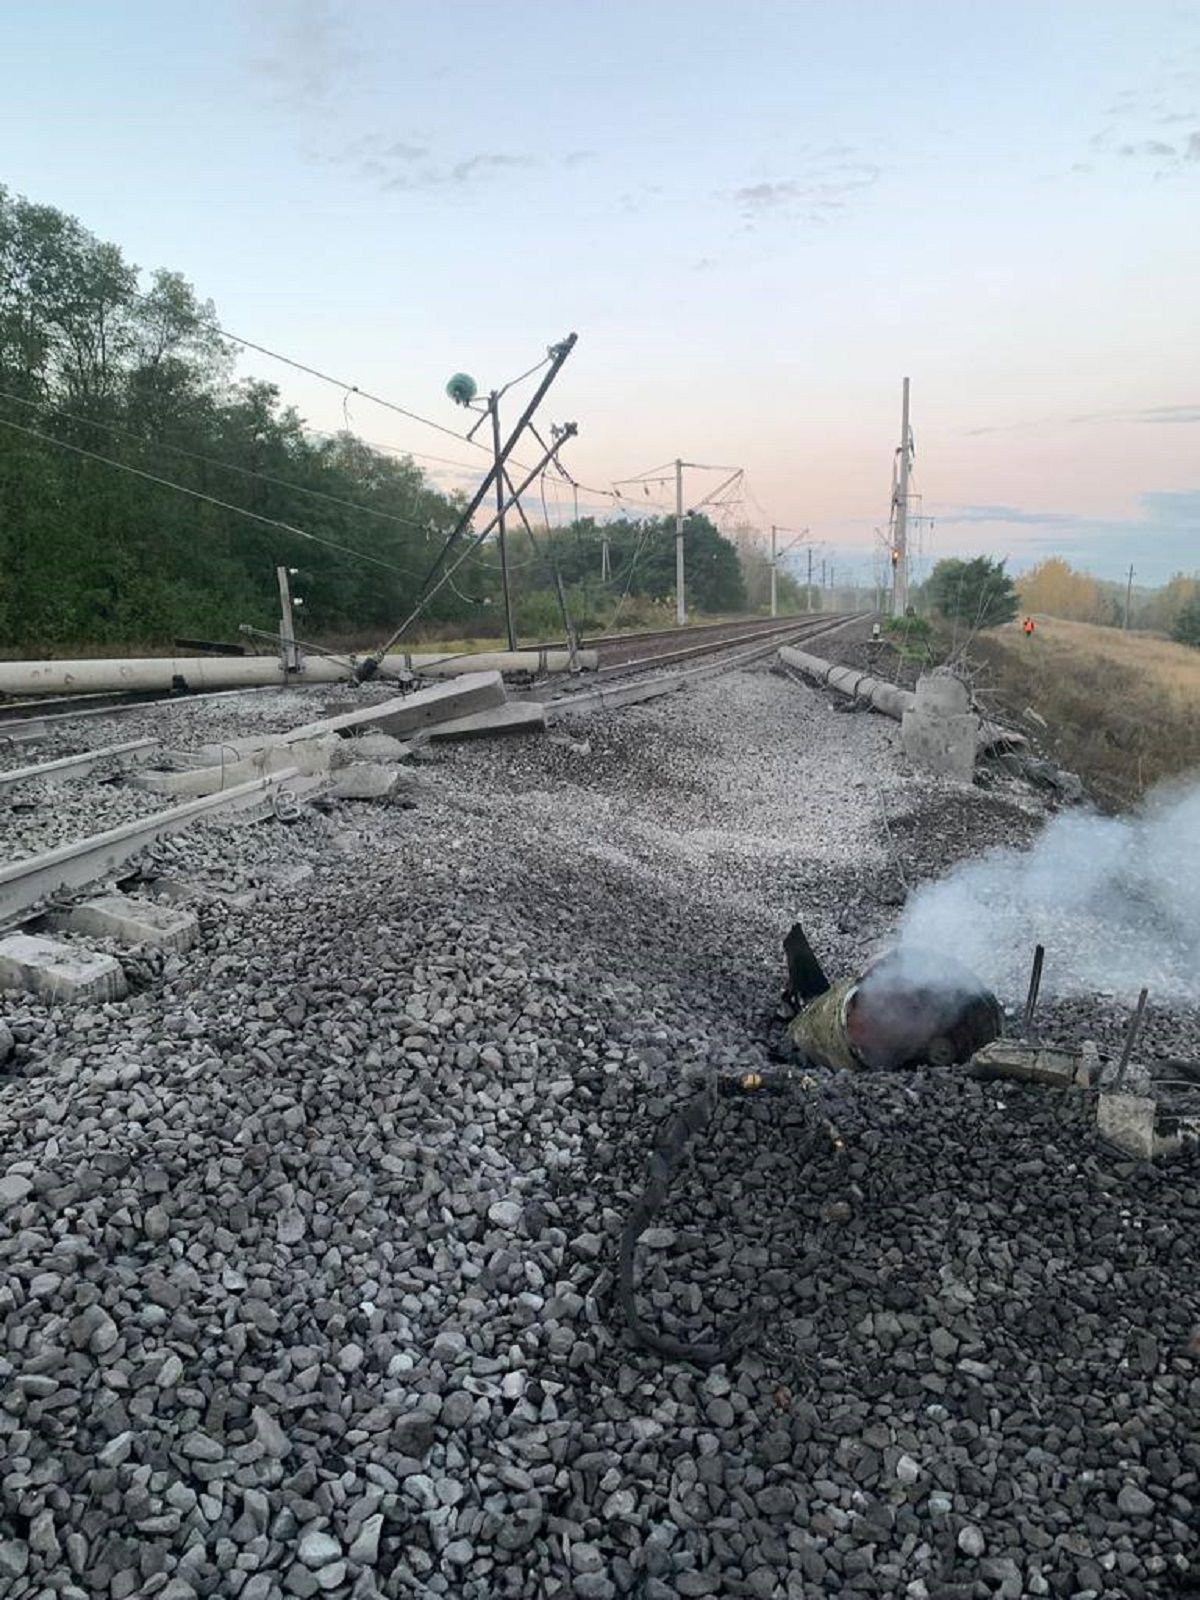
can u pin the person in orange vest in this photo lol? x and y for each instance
(1028, 627)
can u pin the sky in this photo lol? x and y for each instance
(758, 217)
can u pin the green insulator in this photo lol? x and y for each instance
(462, 388)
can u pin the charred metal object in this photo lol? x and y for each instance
(908, 1008)
(911, 1007)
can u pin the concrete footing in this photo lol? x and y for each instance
(58, 971)
(133, 922)
(939, 731)
(1128, 1121)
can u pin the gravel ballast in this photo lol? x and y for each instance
(307, 1247)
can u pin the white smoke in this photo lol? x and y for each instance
(1115, 901)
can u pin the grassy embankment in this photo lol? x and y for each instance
(1122, 709)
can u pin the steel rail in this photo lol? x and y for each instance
(78, 766)
(651, 686)
(23, 884)
(795, 628)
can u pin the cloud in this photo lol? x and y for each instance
(1177, 414)
(477, 166)
(579, 158)
(757, 196)
(309, 55)
(402, 165)
(1168, 414)
(826, 181)
(1011, 514)
(1134, 123)
(1160, 538)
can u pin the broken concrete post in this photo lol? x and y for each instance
(940, 732)
(117, 916)
(408, 714)
(231, 767)
(58, 971)
(886, 697)
(1128, 1121)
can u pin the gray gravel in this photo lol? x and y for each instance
(306, 1268)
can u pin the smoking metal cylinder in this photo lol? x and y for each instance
(909, 1007)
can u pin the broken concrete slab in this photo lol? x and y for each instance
(367, 780)
(59, 971)
(527, 716)
(1026, 1063)
(376, 747)
(406, 714)
(133, 922)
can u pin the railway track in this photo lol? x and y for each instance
(643, 651)
(635, 668)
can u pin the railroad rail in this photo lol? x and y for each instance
(613, 648)
(638, 652)
(26, 883)
(78, 766)
(635, 682)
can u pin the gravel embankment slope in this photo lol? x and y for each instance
(307, 1251)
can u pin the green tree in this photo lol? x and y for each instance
(1187, 624)
(979, 592)
(93, 555)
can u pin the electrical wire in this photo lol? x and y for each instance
(303, 366)
(353, 388)
(210, 499)
(214, 461)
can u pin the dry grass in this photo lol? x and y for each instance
(1123, 709)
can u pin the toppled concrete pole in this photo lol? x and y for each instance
(161, 674)
(940, 698)
(886, 697)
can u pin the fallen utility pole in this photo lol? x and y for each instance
(546, 556)
(558, 355)
(370, 666)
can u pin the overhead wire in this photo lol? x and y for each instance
(348, 388)
(303, 366)
(210, 499)
(214, 461)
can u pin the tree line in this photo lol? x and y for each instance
(982, 594)
(93, 364)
